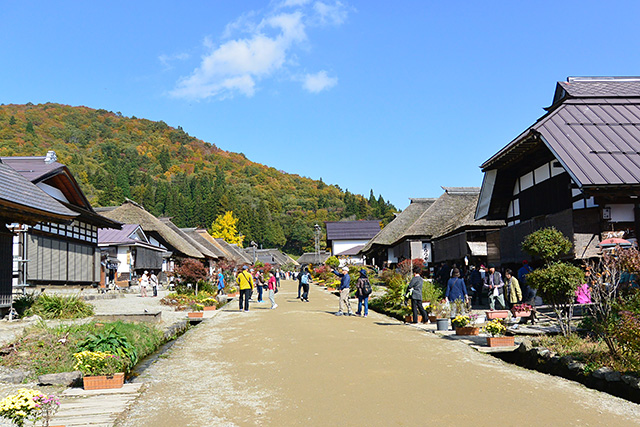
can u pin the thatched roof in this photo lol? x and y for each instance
(132, 213)
(275, 256)
(452, 211)
(201, 248)
(238, 254)
(195, 234)
(396, 228)
(313, 258)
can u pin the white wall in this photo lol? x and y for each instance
(338, 246)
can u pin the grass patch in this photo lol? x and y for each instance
(46, 350)
(590, 351)
(51, 306)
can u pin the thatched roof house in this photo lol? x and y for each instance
(376, 249)
(132, 213)
(442, 229)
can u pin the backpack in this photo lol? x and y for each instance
(366, 288)
(305, 279)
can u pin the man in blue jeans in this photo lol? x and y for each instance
(345, 280)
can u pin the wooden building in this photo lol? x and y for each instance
(58, 253)
(22, 204)
(347, 238)
(577, 168)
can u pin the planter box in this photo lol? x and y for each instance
(195, 314)
(103, 381)
(433, 319)
(409, 318)
(521, 313)
(210, 308)
(233, 295)
(467, 330)
(500, 341)
(497, 314)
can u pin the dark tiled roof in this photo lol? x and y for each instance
(18, 190)
(596, 140)
(352, 230)
(601, 87)
(32, 168)
(111, 235)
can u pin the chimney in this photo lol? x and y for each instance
(51, 157)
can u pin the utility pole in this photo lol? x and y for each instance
(318, 230)
(255, 245)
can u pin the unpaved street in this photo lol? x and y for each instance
(301, 365)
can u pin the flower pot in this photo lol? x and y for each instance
(433, 319)
(235, 294)
(442, 324)
(497, 314)
(500, 341)
(101, 382)
(409, 318)
(195, 315)
(210, 308)
(467, 330)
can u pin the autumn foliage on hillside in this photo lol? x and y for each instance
(173, 174)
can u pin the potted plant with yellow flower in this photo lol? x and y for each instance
(20, 407)
(496, 329)
(101, 370)
(465, 324)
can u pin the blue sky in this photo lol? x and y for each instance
(399, 97)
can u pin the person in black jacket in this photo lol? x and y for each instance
(363, 290)
(415, 286)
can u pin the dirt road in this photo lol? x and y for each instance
(301, 365)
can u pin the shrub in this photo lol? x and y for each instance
(547, 244)
(111, 341)
(191, 271)
(627, 335)
(431, 292)
(333, 262)
(24, 302)
(557, 284)
(49, 306)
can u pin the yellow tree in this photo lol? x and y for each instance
(224, 227)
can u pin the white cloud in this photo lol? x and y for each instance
(294, 3)
(318, 82)
(237, 65)
(334, 14)
(166, 60)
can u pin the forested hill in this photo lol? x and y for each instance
(173, 174)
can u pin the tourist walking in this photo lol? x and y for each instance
(514, 293)
(363, 290)
(300, 281)
(415, 290)
(475, 281)
(245, 283)
(220, 282)
(345, 281)
(144, 282)
(456, 291)
(272, 284)
(259, 282)
(522, 280)
(305, 281)
(153, 281)
(494, 284)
